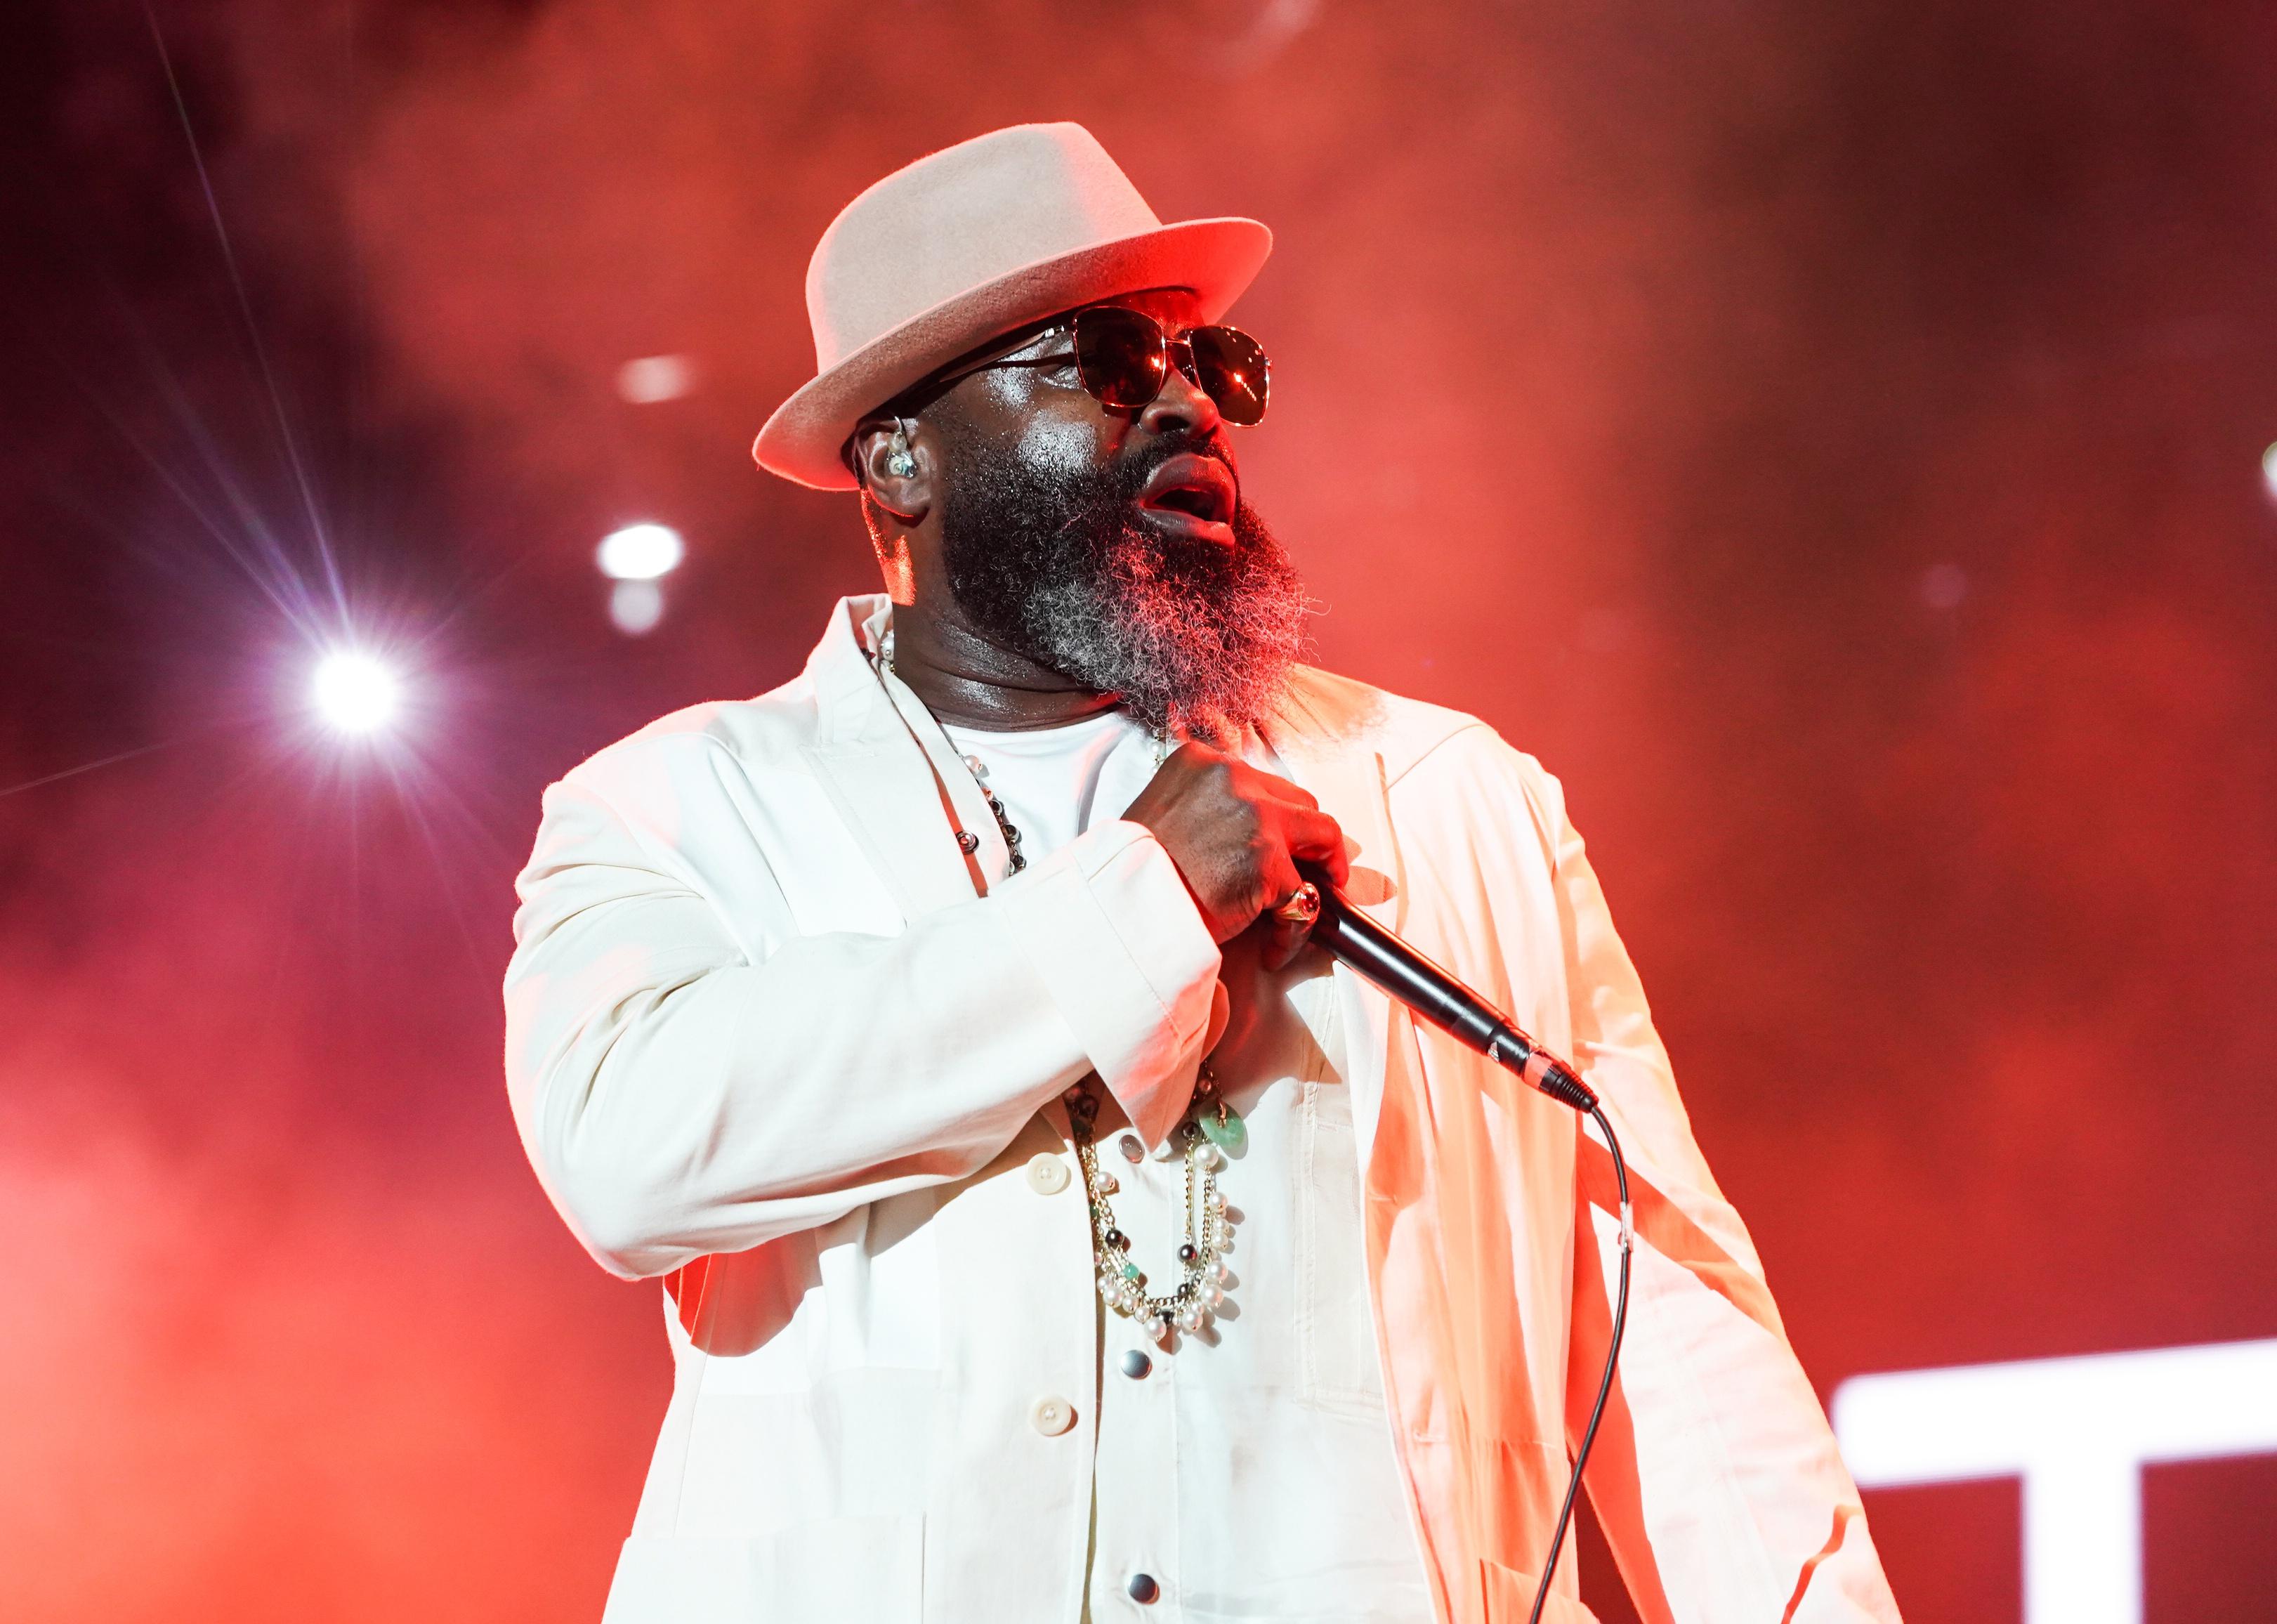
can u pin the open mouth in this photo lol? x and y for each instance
(1193, 495)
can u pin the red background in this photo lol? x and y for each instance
(1828, 435)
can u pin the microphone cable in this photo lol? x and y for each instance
(1604, 1381)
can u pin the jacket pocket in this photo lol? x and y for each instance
(684, 1581)
(871, 1569)
(845, 1567)
(1335, 1323)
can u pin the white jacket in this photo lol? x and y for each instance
(769, 1035)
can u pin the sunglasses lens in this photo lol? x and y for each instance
(1232, 372)
(1121, 354)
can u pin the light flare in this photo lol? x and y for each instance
(354, 692)
(636, 606)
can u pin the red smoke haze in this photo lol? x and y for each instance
(1828, 437)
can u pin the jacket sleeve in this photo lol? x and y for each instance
(681, 1091)
(1715, 1476)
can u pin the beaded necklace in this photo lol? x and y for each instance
(1208, 1132)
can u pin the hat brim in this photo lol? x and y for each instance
(1216, 258)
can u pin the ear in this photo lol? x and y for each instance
(896, 463)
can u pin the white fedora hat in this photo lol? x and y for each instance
(938, 258)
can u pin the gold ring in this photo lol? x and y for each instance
(1302, 905)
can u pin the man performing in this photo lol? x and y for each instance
(1050, 1231)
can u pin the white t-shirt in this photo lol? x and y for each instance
(1055, 782)
(1249, 1469)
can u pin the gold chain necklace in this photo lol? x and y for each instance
(967, 841)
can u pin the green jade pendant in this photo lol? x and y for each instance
(1224, 1129)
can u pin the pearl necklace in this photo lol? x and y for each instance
(1209, 1131)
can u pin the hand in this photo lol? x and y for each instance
(1237, 836)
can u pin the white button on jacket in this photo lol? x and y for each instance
(764, 1038)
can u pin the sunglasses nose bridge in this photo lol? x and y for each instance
(1180, 350)
(1192, 404)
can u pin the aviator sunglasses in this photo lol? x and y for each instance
(1124, 357)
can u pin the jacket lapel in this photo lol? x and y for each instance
(901, 807)
(1348, 779)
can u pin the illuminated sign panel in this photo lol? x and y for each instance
(2078, 1431)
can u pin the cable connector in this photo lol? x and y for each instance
(1556, 1079)
(1538, 1068)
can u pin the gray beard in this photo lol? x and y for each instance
(1057, 567)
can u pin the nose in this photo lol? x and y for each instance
(1182, 408)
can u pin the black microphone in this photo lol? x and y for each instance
(1346, 934)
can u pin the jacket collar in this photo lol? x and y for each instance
(890, 770)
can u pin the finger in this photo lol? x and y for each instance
(1284, 940)
(1289, 921)
(1314, 838)
(1277, 880)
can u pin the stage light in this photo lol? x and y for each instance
(2269, 471)
(649, 380)
(2078, 1431)
(354, 693)
(641, 553)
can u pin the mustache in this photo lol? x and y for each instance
(1134, 474)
